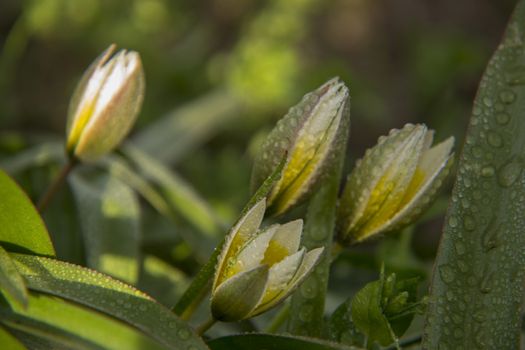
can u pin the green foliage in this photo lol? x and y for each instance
(383, 309)
(273, 342)
(478, 282)
(10, 280)
(109, 216)
(22, 228)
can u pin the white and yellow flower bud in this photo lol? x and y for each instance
(309, 134)
(258, 269)
(394, 182)
(105, 104)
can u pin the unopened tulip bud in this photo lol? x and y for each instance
(393, 184)
(105, 104)
(309, 134)
(259, 269)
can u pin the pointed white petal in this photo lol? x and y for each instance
(280, 276)
(289, 235)
(234, 299)
(308, 262)
(240, 233)
(252, 254)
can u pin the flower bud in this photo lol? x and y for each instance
(105, 104)
(258, 269)
(395, 181)
(309, 134)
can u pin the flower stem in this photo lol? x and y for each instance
(55, 185)
(205, 326)
(279, 319)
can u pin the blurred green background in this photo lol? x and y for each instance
(219, 74)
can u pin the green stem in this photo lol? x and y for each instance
(205, 326)
(55, 185)
(198, 288)
(279, 319)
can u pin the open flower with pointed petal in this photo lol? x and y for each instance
(310, 134)
(105, 104)
(395, 181)
(257, 269)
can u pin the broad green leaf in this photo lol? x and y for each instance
(8, 341)
(109, 215)
(107, 295)
(201, 283)
(477, 286)
(367, 314)
(173, 136)
(10, 280)
(22, 228)
(273, 342)
(72, 325)
(341, 327)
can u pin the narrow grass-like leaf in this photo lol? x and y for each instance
(109, 215)
(107, 295)
(477, 286)
(9, 342)
(179, 194)
(22, 228)
(73, 326)
(10, 280)
(173, 136)
(200, 284)
(38, 155)
(273, 342)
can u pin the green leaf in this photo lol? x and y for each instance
(72, 326)
(273, 342)
(367, 314)
(480, 266)
(200, 284)
(39, 155)
(22, 228)
(9, 342)
(107, 295)
(341, 327)
(10, 280)
(173, 136)
(179, 195)
(109, 215)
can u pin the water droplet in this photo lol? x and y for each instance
(502, 118)
(489, 238)
(309, 288)
(183, 333)
(494, 139)
(447, 273)
(487, 101)
(469, 223)
(453, 221)
(507, 96)
(509, 173)
(460, 248)
(477, 152)
(486, 281)
(487, 171)
(306, 313)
